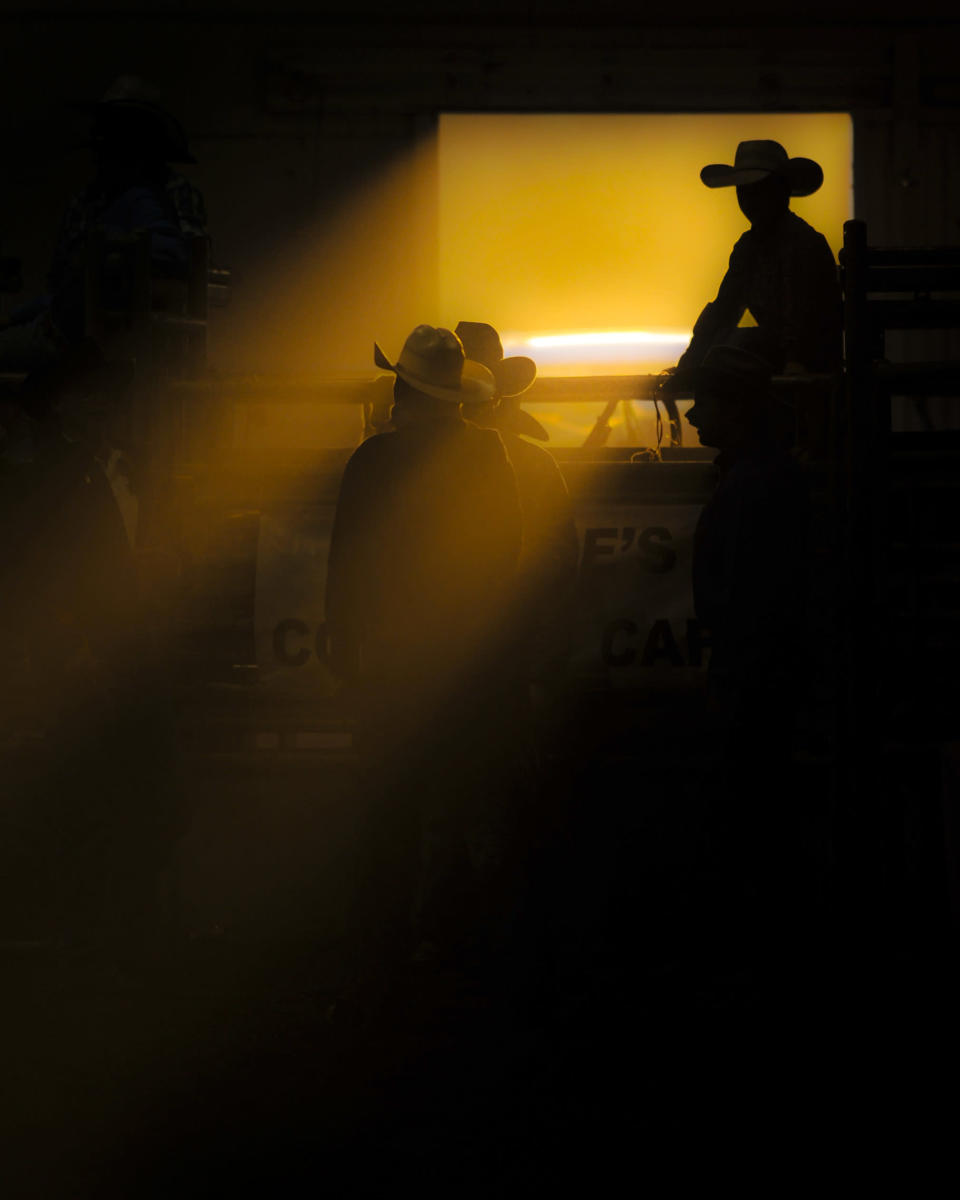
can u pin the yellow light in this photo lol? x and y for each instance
(598, 352)
(634, 337)
(587, 240)
(591, 237)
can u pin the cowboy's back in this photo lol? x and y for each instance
(423, 551)
(787, 278)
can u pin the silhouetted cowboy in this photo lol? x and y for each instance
(426, 536)
(70, 598)
(548, 561)
(421, 571)
(133, 140)
(781, 270)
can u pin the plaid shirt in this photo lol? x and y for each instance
(172, 214)
(170, 208)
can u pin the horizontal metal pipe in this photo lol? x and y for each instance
(546, 390)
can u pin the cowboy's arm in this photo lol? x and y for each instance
(723, 312)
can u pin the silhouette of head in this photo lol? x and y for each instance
(765, 178)
(513, 375)
(731, 398)
(763, 203)
(411, 405)
(434, 376)
(131, 124)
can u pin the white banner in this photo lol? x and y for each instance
(635, 623)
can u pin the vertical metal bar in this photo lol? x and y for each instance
(859, 435)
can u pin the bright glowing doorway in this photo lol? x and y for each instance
(589, 241)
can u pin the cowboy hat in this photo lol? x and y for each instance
(758, 159)
(481, 342)
(131, 112)
(432, 361)
(513, 376)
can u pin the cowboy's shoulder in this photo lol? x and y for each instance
(374, 457)
(744, 257)
(803, 233)
(367, 471)
(743, 247)
(372, 449)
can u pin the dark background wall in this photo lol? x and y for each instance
(292, 110)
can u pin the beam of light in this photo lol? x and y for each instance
(635, 337)
(605, 352)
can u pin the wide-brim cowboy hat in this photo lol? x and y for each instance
(131, 112)
(758, 159)
(481, 342)
(514, 375)
(432, 361)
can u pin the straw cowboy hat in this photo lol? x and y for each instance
(756, 160)
(513, 376)
(433, 362)
(131, 112)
